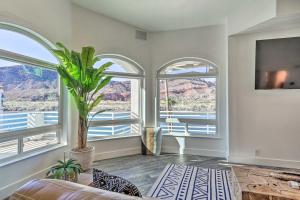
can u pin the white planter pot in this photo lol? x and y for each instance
(85, 157)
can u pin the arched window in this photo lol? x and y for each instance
(187, 97)
(29, 93)
(122, 99)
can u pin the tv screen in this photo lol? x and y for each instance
(277, 64)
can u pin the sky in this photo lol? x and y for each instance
(21, 44)
(18, 43)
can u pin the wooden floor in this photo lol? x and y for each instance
(144, 170)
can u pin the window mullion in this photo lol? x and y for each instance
(114, 122)
(124, 75)
(7, 136)
(190, 75)
(10, 56)
(30, 122)
(188, 70)
(20, 145)
(128, 111)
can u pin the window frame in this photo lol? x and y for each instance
(140, 76)
(19, 135)
(160, 77)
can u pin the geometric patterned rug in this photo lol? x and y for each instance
(178, 182)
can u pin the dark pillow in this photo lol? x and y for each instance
(105, 181)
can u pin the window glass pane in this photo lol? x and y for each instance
(118, 66)
(118, 130)
(184, 102)
(29, 96)
(121, 100)
(38, 141)
(201, 67)
(196, 129)
(8, 149)
(21, 44)
(173, 127)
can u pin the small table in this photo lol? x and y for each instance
(253, 183)
(85, 179)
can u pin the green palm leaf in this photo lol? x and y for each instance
(82, 80)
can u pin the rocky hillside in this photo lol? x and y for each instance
(28, 83)
(193, 94)
(188, 88)
(37, 89)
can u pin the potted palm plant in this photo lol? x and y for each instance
(66, 170)
(84, 83)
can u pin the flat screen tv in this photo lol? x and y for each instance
(277, 64)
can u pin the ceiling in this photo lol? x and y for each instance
(275, 24)
(163, 15)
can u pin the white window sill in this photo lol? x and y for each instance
(112, 137)
(194, 136)
(30, 154)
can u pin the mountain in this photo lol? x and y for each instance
(187, 88)
(20, 73)
(39, 87)
(188, 94)
(28, 83)
(117, 91)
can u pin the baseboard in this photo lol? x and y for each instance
(9, 189)
(194, 151)
(117, 153)
(274, 162)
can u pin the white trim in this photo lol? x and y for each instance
(124, 75)
(27, 32)
(29, 154)
(194, 151)
(23, 59)
(118, 153)
(19, 58)
(170, 76)
(96, 139)
(265, 161)
(125, 59)
(114, 122)
(140, 76)
(193, 121)
(186, 75)
(12, 135)
(164, 66)
(194, 136)
(31, 34)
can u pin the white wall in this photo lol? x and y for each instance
(209, 43)
(60, 21)
(264, 125)
(37, 15)
(109, 36)
(255, 123)
(112, 37)
(288, 7)
(250, 14)
(52, 19)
